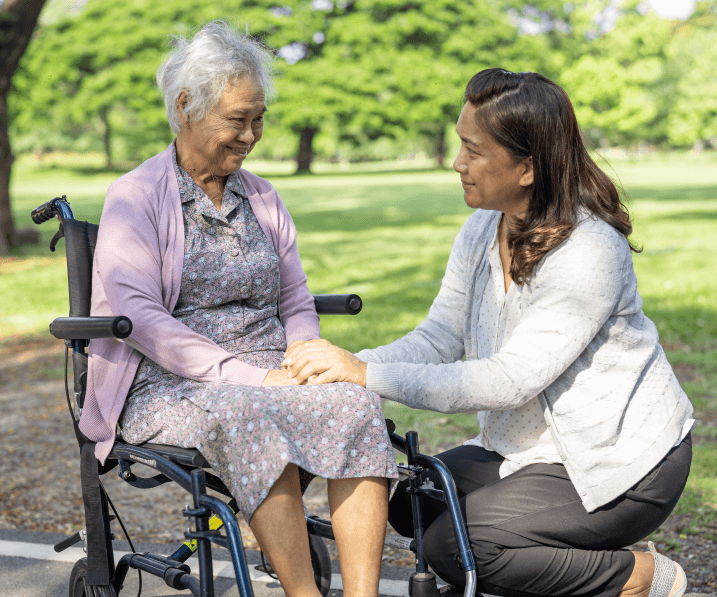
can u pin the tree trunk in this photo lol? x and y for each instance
(7, 225)
(106, 136)
(303, 160)
(440, 146)
(17, 22)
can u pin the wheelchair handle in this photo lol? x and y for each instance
(86, 328)
(59, 206)
(338, 304)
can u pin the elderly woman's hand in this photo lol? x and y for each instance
(279, 377)
(319, 361)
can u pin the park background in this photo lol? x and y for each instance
(359, 143)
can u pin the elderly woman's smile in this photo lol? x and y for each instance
(213, 147)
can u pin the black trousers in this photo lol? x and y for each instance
(530, 533)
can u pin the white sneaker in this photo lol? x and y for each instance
(669, 579)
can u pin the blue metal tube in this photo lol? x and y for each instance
(204, 547)
(451, 498)
(64, 209)
(152, 459)
(236, 549)
(414, 482)
(78, 346)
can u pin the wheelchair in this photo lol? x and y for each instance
(98, 575)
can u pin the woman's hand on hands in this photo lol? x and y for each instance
(279, 377)
(319, 361)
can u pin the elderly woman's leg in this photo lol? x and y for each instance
(359, 511)
(279, 526)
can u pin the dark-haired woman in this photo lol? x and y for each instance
(585, 432)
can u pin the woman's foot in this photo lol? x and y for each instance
(655, 575)
(669, 578)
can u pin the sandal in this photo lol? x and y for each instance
(666, 571)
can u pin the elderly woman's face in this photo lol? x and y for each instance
(230, 130)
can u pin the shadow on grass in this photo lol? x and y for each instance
(124, 167)
(351, 174)
(685, 216)
(654, 193)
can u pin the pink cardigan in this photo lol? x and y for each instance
(137, 272)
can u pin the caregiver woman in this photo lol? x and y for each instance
(585, 432)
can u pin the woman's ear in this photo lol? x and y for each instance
(182, 102)
(527, 178)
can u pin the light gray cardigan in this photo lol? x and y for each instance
(583, 346)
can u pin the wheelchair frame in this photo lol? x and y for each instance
(98, 576)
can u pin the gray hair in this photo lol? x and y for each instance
(216, 54)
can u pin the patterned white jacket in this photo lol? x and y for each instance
(583, 345)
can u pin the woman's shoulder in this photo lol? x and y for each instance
(594, 248)
(254, 184)
(149, 175)
(592, 231)
(479, 228)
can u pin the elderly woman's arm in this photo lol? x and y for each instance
(130, 262)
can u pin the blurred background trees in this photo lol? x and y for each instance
(367, 79)
(17, 22)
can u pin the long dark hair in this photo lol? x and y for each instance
(531, 116)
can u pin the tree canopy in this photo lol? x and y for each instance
(353, 71)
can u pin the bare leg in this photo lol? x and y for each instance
(359, 512)
(279, 526)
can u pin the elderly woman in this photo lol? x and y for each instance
(202, 256)
(585, 432)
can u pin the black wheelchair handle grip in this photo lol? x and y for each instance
(87, 328)
(44, 213)
(338, 304)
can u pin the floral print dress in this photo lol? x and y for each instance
(229, 293)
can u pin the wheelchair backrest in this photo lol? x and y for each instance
(80, 241)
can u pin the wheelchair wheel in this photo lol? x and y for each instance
(78, 588)
(321, 563)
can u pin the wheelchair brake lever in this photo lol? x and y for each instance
(58, 235)
(68, 542)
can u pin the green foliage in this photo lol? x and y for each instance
(692, 78)
(614, 80)
(370, 70)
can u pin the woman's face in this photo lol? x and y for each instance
(221, 140)
(491, 178)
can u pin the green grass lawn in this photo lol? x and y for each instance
(386, 236)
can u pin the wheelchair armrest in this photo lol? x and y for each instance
(338, 304)
(86, 328)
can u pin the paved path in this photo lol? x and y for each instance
(29, 567)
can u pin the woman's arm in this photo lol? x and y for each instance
(573, 293)
(130, 261)
(296, 305)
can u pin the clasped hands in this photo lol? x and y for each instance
(317, 362)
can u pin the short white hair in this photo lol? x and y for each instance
(216, 55)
